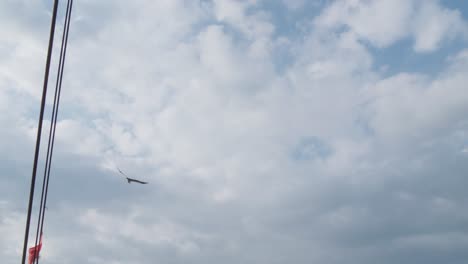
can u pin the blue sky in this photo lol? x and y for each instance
(278, 131)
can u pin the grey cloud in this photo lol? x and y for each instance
(212, 126)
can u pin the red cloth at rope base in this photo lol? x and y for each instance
(34, 252)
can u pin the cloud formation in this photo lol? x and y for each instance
(260, 146)
(383, 23)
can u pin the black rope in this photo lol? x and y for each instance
(53, 123)
(39, 130)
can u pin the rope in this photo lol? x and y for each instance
(53, 123)
(39, 129)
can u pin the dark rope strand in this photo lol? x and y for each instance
(59, 88)
(39, 130)
(50, 142)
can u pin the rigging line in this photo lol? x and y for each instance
(67, 22)
(39, 129)
(51, 132)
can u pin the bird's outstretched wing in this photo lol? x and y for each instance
(121, 172)
(130, 180)
(133, 180)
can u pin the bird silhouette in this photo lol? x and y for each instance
(130, 180)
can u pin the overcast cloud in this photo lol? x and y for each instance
(270, 131)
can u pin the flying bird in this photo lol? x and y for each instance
(130, 180)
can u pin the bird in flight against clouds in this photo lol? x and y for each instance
(130, 180)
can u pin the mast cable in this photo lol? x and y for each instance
(53, 123)
(39, 129)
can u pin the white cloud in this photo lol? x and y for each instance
(384, 22)
(23, 51)
(435, 24)
(11, 224)
(77, 138)
(110, 228)
(235, 13)
(187, 96)
(380, 22)
(414, 106)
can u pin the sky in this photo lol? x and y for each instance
(280, 131)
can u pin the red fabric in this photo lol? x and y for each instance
(34, 252)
